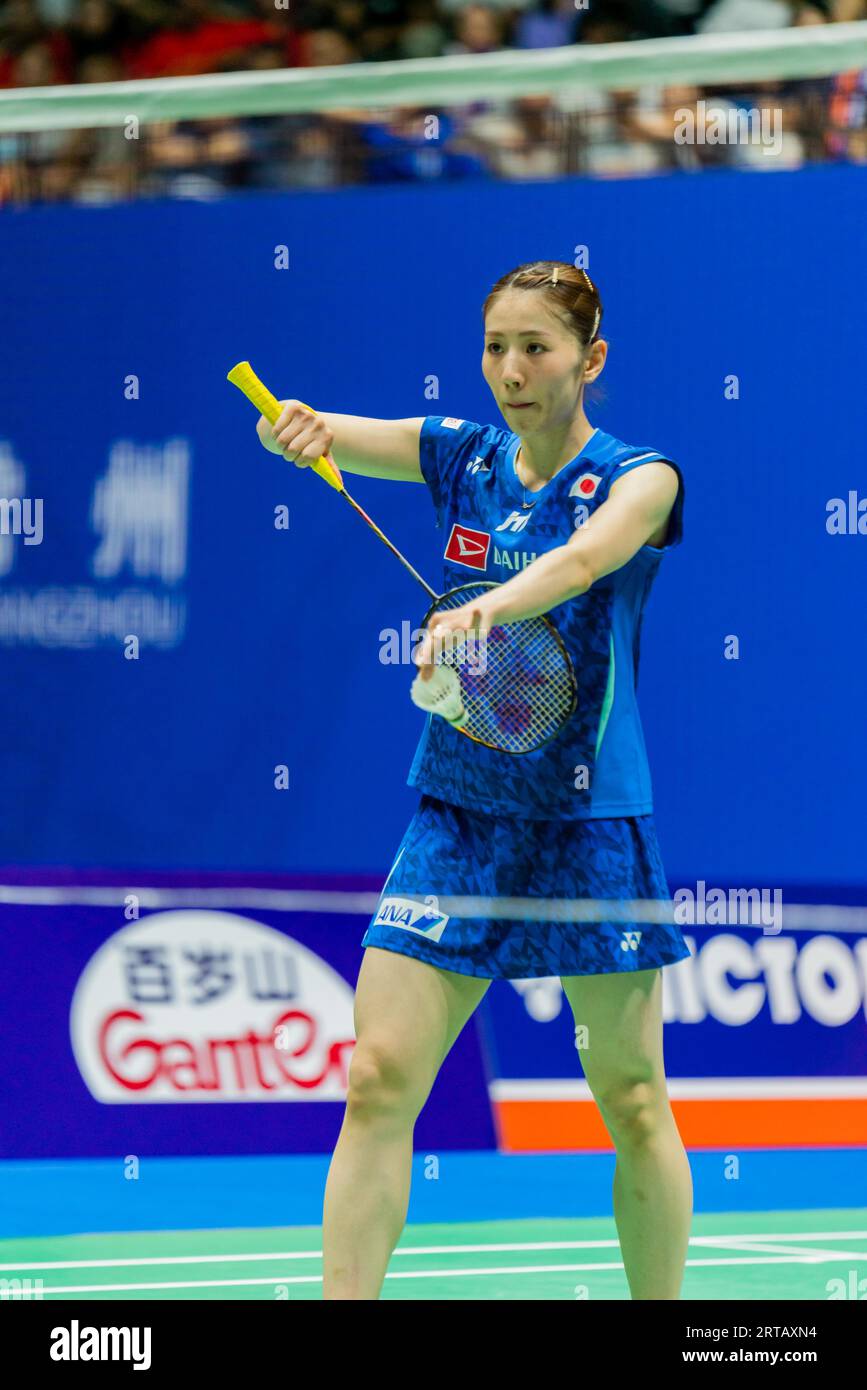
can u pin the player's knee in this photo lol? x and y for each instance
(379, 1082)
(634, 1107)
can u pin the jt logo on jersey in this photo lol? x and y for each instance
(515, 521)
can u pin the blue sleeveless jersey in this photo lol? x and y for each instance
(597, 764)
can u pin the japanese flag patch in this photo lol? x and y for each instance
(585, 486)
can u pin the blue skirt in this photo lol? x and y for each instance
(448, 851)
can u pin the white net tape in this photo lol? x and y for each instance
(741, 907)
(809, 51)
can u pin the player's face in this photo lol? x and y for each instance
(532, 362)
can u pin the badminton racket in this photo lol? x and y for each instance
(517, 690)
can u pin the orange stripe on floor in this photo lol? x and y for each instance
(527, 1125)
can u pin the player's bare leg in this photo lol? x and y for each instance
(623, 1063)
(407, 1017)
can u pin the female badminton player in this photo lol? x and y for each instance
(568, 521)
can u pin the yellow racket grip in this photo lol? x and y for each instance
(246, 380)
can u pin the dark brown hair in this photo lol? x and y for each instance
(569, 293)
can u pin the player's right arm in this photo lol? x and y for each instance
(374, 448)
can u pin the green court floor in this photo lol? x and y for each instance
(804, 1255)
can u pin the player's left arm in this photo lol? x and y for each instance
(637, 505)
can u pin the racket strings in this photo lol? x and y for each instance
(516, 681)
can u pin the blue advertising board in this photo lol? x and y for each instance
(217, 1023)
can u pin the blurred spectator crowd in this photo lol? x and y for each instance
(614, 134)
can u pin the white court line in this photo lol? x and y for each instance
(726, 1236)
(722, 1241)
(809, 1256)
(408, 1274)
(693, 1088)
(167, 1260)
(474, 1249)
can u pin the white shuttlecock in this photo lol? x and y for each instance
(440, 695)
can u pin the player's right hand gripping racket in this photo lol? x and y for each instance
(517, 691)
